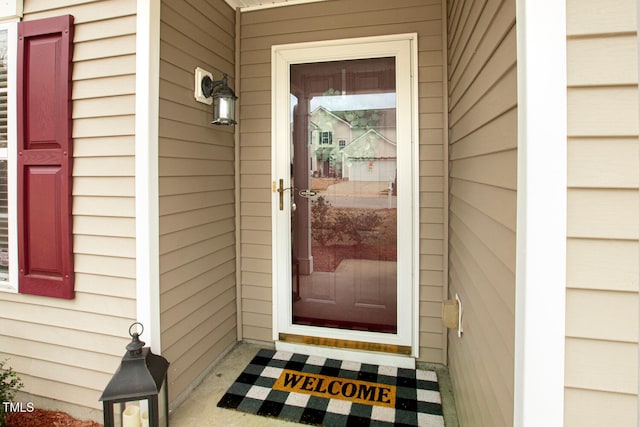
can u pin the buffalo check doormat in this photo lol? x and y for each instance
(334, 393)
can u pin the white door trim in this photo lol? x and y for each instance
(381, 46)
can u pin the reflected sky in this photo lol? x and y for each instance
(351, 102)
(355, 102)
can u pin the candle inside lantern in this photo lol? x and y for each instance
(131, 416)
(144, 417)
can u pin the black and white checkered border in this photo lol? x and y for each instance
(418, 400)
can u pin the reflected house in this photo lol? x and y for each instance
(370, 157)
(357, 144)
(329, 134)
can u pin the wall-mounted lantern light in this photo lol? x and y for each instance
(224, 100)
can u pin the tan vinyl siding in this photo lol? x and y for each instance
(482, 211)
(66, 351)
(196, 184)
(327, 21)
(603, 211)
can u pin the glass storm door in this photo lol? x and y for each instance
(343, 193)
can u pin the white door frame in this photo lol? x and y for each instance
(404, 48)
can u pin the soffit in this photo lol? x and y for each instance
(246, 5)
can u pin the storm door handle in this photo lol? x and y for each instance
(281, 191)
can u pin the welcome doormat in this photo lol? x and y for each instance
(334, 393)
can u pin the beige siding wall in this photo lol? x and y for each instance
(325, 21)
(68, 350)
(196, 167)
(602, 242)
(482, 224)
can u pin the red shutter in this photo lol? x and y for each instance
(45, 157)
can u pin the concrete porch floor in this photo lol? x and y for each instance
(199, 409)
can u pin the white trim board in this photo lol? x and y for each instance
(146, 162)
(249, 5)
(541, 213)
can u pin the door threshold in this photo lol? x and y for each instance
(347, 350)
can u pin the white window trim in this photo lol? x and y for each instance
(12, 136)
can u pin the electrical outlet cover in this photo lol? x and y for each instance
(450, 313)
(197, 93)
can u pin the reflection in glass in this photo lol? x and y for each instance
(344, 235)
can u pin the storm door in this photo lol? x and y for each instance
(343, 197)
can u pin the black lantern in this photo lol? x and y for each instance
(137, 394)
(224, 100)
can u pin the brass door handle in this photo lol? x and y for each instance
(281, 191)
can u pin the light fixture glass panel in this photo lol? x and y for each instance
(224, 111)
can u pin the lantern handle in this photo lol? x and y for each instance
(135, 346)
(131, 334)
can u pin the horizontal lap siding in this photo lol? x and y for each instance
(602, 241)
(196, 168)
(327, 21)
(67, 350)
(482, 243)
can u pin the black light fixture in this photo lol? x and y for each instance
(137, 395)
(224, 100)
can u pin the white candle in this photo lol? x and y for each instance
(131, 416)
(144, 416)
